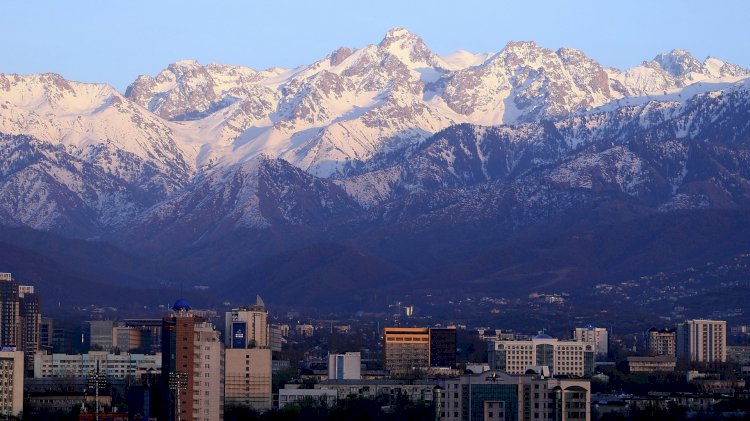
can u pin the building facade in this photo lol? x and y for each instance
(661, 342)
(292, 396)
(702, 340)
(192, 366)
(598, 335)
(497, 395)
(663, 363)
(406, 349)
(11, 383)
(10, 313)
(345, 366)
(114, 366)
(247, 326)
(572, 358)
(247, 378)
(443, 347)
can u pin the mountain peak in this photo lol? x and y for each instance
(409, 48)
(678, 62)
(398, 33)
(186, 63)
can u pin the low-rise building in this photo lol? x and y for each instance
(115, 366)
(739, 354)
(663, 363)
(414, 390)
(497, 395)
(573, 358)
(292, 396)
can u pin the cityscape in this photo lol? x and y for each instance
(248, 363)
(329, 210)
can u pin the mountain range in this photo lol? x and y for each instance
(379, 170)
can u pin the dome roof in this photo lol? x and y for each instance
(181, 304)
(543, 336)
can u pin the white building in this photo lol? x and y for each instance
(115, 366)
(702, 340)
(247, 326)
(291, 396)
(562, 357)
(598, 335)
(344, 366)
(497, 395)
(11, 383)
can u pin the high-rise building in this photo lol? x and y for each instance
(497, 395)
(661, 342)
(598, 335)
(443, 347)
(345, 366)
(406, 349)
(248, 378)
(247, 326)
(10, 312)
(11, 386)
(20, 318)
(31, 321)
(248, 358)
(702, 340)
(192, 366)
(413, 348)
(46, 332)
(562, 357)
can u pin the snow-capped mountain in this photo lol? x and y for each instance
(387, 155)
(358, 103)
(360, 116)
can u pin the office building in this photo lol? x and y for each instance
(406, 349)
(597, 335)
(291, 396)
(344, 366)
(10, 313)
(304, 330)
(99, 334)
(664, 363)
(247, 377)
(702, 341)
(192, 366)
(247, 358)
(247, 326)
(114, 366)
(416, 348)
(31, 321)
(497, 395)
(46, 332)
(572, 358)
(661, 342)
(443, 347)
(275, 337)
(11, 386)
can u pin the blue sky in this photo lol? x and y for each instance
(114, 42)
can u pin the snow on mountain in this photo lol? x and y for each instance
(462, 59)
(95, 121)
(259, 193)
(355, 104)
(362, 117)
